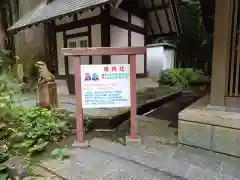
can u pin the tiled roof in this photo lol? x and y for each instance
(56, 8)
(163, 18)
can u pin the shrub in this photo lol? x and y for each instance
(33, 129)
(26, 130)
(182, 77)
(9, 92)
(6, 60)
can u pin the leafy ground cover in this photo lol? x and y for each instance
(27, 131)
(183, 77)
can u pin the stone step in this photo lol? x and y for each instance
(95, 165)
(141, 154)
(156, 131)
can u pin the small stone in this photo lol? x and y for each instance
(20, 172)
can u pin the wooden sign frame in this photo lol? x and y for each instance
(76, 53)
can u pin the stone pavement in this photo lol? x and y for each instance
(107, 160)
(156, 130)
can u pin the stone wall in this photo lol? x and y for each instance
(217, 131)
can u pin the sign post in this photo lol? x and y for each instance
(133, 96)
(104, 85)
(78, 94)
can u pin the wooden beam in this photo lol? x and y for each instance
(99, 51)
(75, 17)
(156, 8)
(167, 16)
(70, 36)
(156, 15)
(117, 4)
(78, 24)
(145, 43)
(54, 48)
(129, 34)
(175, 16)
(126, 25)
(90, 42)
(136, 11)
(65, 58)
(148, 19)
(105, 32)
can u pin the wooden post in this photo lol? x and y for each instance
(133, 96)
(78, 93)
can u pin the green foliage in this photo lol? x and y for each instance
(33, 128)
(70, 117)
(6, 60)
(9, 91)
(4, 156)
(60, 153)
(3, 173)
(8, 65)
(182, 77)
(28, 131)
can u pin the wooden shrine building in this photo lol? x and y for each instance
(100, 23)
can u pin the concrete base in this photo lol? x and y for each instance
(83, 145)
(216, 108)
(214, 130)
(129, 140)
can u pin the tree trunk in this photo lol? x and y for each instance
(14, 10)
(2, 37)
(29, 42)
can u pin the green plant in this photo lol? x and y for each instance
(33, 129)
(60, 153)
(4, 156)
(6, 60)
(3, 173)
(70, 117)
(9, 92)
(182, 77)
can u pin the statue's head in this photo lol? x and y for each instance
(41, 66)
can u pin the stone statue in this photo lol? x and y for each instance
(47, 87)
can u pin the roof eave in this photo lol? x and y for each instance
(15, 29)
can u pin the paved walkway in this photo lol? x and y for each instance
(106, 160)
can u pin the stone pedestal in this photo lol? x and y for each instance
(47, 95)
(43, 96)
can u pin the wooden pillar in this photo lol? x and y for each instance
(221, 51)
(105, 32)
